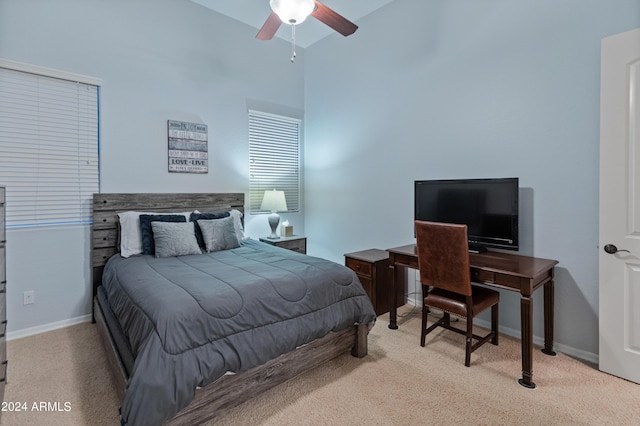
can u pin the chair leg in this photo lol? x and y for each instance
(423, 331)
(467, 358)
(494, 324)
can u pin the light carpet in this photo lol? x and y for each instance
(399, 382)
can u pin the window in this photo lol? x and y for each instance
(274, 158)
(49, 145)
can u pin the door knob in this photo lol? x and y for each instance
(612, 249)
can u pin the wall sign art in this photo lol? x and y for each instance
(188, 147)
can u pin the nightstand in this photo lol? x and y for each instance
(372, 268)
(294, 243)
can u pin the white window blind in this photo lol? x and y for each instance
(274, 158)
(48, 148)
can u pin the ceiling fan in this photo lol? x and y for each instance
(294, 12)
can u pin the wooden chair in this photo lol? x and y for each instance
(443, 260)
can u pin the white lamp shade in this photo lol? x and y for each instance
(274, 201)
(292, 12)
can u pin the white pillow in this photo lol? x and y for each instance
(130, 235)
(237, 223)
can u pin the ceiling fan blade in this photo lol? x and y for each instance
(339, 23)
(269, 27)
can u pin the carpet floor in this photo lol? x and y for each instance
(62, 378)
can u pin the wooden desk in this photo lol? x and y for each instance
(513, 272)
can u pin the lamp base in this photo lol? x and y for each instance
(274, 219)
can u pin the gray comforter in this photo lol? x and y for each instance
(191, 319)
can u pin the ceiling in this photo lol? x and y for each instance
(255, 12)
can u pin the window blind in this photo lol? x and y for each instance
(49, 148)
(274, 158)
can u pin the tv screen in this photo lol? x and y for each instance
(489, 208)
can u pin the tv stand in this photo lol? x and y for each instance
(477, 248)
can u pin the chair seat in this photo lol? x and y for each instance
(454, 303)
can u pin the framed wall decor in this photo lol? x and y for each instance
(188, 147)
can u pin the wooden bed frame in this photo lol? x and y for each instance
(230, 390)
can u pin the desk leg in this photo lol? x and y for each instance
(393, 310)
(526, 325)
(548, 318)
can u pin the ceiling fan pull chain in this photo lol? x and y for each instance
(293, 43)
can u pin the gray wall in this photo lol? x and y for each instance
(459, 89)
(158, 60)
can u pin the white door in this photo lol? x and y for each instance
(619, 312)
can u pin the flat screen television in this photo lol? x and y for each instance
(489, 208)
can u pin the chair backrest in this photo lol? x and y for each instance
(443, 256)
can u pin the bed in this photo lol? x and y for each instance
(212, 330)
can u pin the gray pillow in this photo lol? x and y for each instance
(197, 216)
(174, 239)
(146, 231)
(219, 234)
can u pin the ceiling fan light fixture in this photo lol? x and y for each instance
(292, 12)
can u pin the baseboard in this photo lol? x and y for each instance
(25, 332)
(539, 341)
(558, 347)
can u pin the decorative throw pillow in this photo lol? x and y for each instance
(174, 239)
(146, 230)
(219, 234)
(195, 216)
(130, 235)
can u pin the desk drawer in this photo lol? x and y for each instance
(480, 276)
(362, 268)
(505, 280)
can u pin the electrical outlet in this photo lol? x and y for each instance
(29, 297)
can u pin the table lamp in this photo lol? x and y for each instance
(274, 201)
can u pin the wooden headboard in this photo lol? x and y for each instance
(104, 231)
